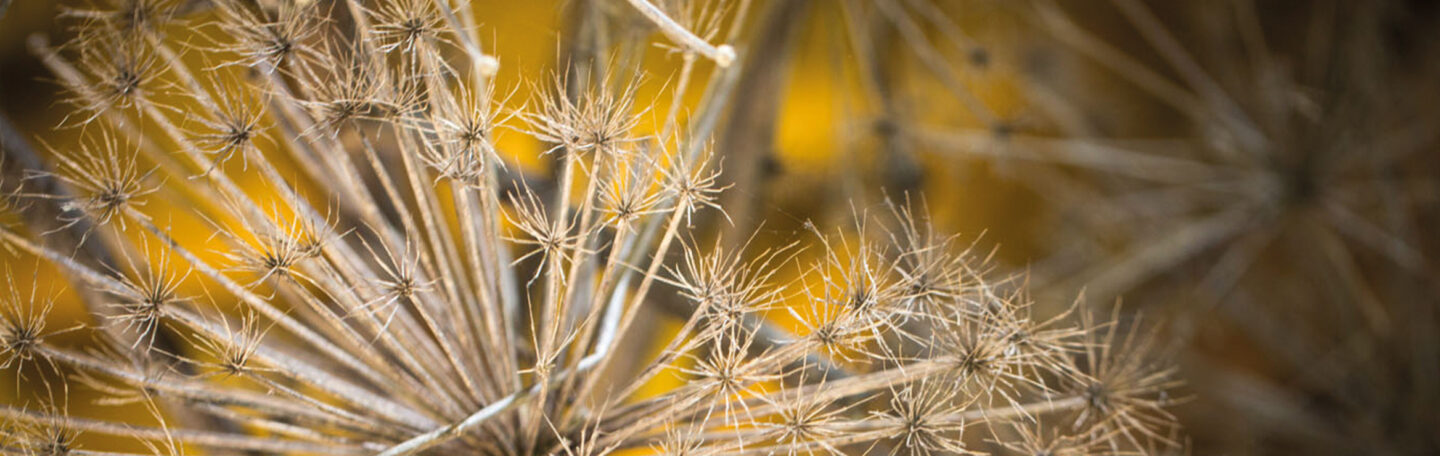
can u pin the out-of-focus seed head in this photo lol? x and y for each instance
(118, 71)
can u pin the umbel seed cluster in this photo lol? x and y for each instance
(386, 278)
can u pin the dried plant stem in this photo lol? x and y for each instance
(630, 311)
(672, 123)
(200, 438)
(722, 55)
(296, 368)
(482, 65)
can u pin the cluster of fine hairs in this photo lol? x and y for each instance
(400, 285)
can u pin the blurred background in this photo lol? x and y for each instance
(1260, 176)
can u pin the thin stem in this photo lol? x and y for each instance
(723, 55)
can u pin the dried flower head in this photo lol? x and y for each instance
(140, 300)
(107, 182)
(924, 418)
(271, 40)
(487, 307)
(600, 119)
(234, 129)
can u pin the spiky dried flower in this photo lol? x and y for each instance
(106, 180)
(601, 119)
(283, 38)
(235, 128)
(922, 418)
(421, 333)
(139, 303)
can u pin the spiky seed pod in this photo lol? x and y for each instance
(20, 333)
(282, 39)
(803, 416)
(600, 119)
(628, 196)
(921, 418)
(109, 182)
(119, 70)
(23, 326)
(1123, 397)
(235, 128)
(140, 301)
(353, 90)
(693, 186)
(408, 27)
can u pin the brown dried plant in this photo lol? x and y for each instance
(433, 298)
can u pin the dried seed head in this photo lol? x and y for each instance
(627, 195)
(600, 119)
(272, 39)
(1126, 392)
(141, 300)
(20, 332)
(551, 238)
(108, 182)
(729, 287)
(401, 282)
(52, 437)
(924, 418)
(931, 274)
(410, 27)
(118, 71)
(804, 415)
(727, 371)
(232, 351)
(693, 185)
(839, 331)
(463, 146)
(22, 324)
(234, 128)
(449, 375)
(855, 302)
(354, 90)
(276, 246)
(982, 356)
